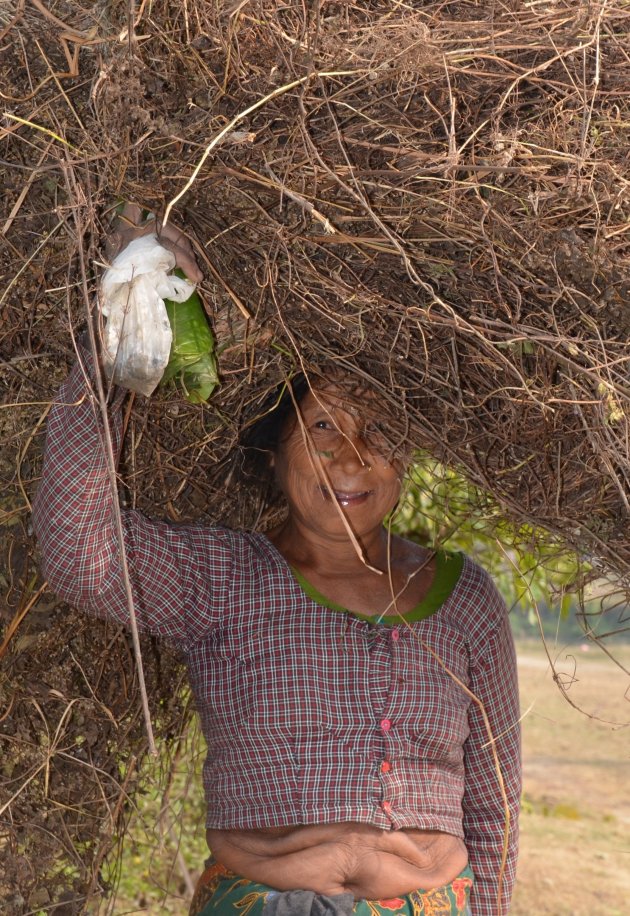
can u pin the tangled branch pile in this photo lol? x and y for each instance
(434, 197)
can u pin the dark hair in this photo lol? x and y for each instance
(260, 437)
(263, 433)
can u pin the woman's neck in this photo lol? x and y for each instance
(337, 556)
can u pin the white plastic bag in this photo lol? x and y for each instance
(138, 335)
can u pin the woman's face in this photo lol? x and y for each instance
(330, 460)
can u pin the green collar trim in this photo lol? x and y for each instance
(448, 568)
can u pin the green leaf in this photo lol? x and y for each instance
(192, 361)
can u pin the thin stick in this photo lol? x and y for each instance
(181, 862)
(301, 201)
(556, 676)
(41, 245)
(492, 739)
(239, 117)
(19, 10)
(111, 472)
(561, 55)
(44, 130)
(19, 617)
(235, 299)
(123, 797)
(15, 209)
(22, 453)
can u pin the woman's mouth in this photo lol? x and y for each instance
(346, 498)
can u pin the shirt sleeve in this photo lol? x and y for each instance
(493, 680)
(179, 574)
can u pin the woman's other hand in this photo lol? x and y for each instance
(130, 225)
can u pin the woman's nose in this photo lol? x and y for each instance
(352, 454)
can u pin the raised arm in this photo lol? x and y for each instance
(179, 575)
(494, 682)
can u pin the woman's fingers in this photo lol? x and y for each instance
(130, 225)
(173, 238)
(127, 226)
(131, 213)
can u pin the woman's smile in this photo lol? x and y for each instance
(346, 498)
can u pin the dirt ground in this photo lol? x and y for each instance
(575, 847)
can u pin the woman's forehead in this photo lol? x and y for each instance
(334, 398)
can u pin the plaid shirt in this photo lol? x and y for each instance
(310, 715)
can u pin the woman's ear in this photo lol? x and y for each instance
(271, 459)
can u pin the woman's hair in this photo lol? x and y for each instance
(260, 438)
(263, 434)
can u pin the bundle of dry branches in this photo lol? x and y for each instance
(432, 196)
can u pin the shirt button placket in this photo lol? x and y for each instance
(386, 726)
(395, 636)
(385, 767)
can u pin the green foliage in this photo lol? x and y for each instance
(165, 834)
(527, 564)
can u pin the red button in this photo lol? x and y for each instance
(386, 725)
(387, 807)
(395, 635)
(386, 766)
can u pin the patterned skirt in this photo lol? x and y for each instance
(219, 891)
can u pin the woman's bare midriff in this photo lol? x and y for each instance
(336, 858)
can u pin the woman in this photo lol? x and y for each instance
(352, 687)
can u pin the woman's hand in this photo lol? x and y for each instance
(129, 225)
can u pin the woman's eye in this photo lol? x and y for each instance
(323, 425)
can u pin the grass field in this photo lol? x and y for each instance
(575, 824)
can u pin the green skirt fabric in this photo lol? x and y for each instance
(219, 891)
